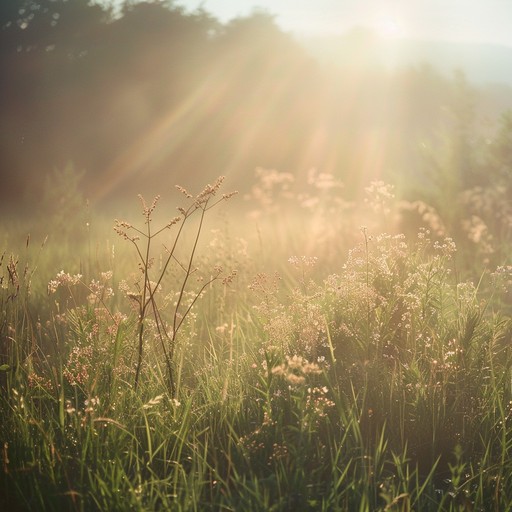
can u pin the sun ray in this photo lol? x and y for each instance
(162, 138)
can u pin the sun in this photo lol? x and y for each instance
(389, 27)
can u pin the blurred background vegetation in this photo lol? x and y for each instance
(136, 97)
(360, 357)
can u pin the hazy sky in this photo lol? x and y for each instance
(460, 20)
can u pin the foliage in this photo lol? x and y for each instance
(340, 368)
(129, 93)
(145, 296)
(383, 384)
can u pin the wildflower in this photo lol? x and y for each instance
(184, 191)
(222, 328)
(148, 210)
(210, 190)
(78, 365)
(502, 277)
(91, 403)
(303, 261)
(380, 195)
(295, 380)
(448, 246)
(106, 276)
(35, 380)
(69, 407)
(63, 279)
(173, 221)
(295, 370)
(99, 291)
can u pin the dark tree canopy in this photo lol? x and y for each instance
(141, 97)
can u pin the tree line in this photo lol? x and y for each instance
(148, 95)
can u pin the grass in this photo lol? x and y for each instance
(363, 374)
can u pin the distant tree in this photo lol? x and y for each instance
(43, 47)
(159, 90)
(268, 86)
(500, 151)
(67, 68)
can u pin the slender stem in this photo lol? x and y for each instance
(187, 274)
(198, 294)
(162, 332)
(146, 299)
(186, 215)
(143, 303)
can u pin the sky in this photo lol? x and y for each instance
(478, 21)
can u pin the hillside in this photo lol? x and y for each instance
(481, 63)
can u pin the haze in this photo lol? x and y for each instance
(156, 94)
(453, 20)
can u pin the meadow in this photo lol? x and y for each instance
(286, 349)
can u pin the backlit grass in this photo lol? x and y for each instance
(370, 370)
